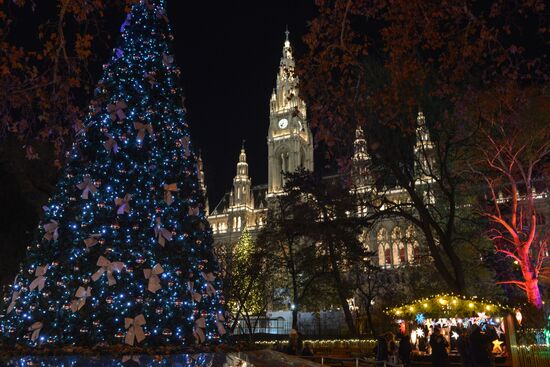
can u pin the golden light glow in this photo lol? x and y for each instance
(471, 305)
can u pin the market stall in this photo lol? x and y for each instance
(463, 321)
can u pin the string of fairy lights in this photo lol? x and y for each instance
(123, 252)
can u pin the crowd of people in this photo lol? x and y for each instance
(473, 344)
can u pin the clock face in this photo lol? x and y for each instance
(283, 123)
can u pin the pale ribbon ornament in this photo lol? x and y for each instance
(167, 59)
(153, 276)
(14, 296)
(35, 328)
(123, 204)
(193, 210)
(51, 230)
(111, 144)
(168, 190)
(87, 187)
(162, 234)
(107, 267)
(40, 279)
(220, 323)
(196, 296)
(142, 129)
(209, 277)
(198, 331)
(117, 110)
(134, 329)
(92, 240)
(185, 142)
(161, 14)
(81, 295)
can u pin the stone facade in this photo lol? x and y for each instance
(290, 145)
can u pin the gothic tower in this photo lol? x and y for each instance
(424, 149)
(360, 161)
(289, 140)
(242, 183)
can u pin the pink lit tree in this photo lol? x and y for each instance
(514, 154)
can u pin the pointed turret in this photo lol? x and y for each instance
(360, 160)
(289, 138)
(424, 148)
(285, 95)
(202, 181)
(242, 195)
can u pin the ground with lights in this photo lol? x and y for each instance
(123, 252)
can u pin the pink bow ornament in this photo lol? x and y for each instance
(87, 187)
(123, 204)
(198, 331)
(35, 328)
(142, 129)
(116, 110)
(162, 234)
(111, 144)
(51, 230)
(153, 276)
(40, 279)
(168, 190)
(134, 329)
(81, 295)
(107, 267)
(91, 241)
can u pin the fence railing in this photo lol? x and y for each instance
(533, 355)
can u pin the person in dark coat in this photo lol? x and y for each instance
(405, 350)
(381, 350)
(439, 348)
(463, 347)
(308, 350)
(480, 347)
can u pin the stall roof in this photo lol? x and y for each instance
(447, 305)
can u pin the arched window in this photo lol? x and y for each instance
(416, 252)
(397, 243)
(381, 260)
(402, 254)
(387, 256)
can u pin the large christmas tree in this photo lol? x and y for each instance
(123, 252)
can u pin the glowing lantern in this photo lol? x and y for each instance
(519, 317)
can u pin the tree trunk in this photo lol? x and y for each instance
(532, 288)
(369, 320)
(294, 305)
(340, 289)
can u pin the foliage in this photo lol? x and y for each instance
(43, 78)
(123, 253)
(247, 273)
(282, 234)
(376, 64)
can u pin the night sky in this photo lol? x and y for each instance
(229, 54)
